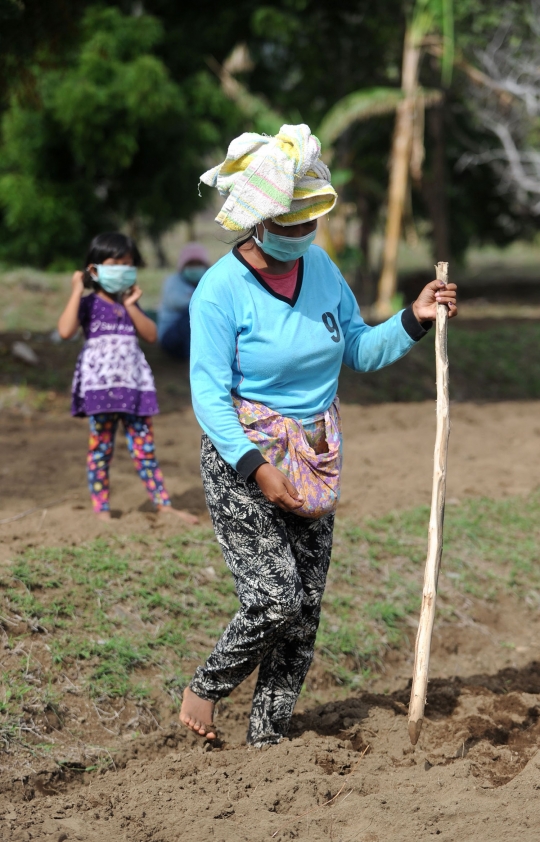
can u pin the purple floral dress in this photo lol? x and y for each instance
(112, 374)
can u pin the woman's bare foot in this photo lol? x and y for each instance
(197, 714)
(181, 514)
(106, 515)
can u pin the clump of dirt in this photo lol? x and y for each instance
(492, 720)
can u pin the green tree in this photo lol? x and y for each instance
(108, 115)
(107, 137)
(34, 30)
(10, 9)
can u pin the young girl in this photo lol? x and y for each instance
(113, 381)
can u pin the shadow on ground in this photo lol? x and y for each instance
(492, 719)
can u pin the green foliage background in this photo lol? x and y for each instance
(103, 137)
(109, 111)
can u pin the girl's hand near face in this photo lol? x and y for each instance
(425, 306)
(68, 323)
(276, 487)
(77, 285)
(132, 296)
(144, 326)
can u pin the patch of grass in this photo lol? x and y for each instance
(489, 361)
(32, 300)
(111, 609)
(128, 619)
(375, 580)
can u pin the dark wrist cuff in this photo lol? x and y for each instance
(249, 461)
(414, 328)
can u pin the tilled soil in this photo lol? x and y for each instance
(494, 452)
(348, 772)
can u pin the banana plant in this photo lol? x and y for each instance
(429, 18)
(410, 100)
(354, 107)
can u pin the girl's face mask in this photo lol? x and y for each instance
(193, 274)
(114, 278)
(284, 248)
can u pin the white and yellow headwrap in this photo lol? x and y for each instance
(280, 178)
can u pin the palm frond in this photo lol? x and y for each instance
(359, 105)
(422, 20)
(363, 105)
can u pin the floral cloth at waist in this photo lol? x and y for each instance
(308, 452)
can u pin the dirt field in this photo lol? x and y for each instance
(348, 774)
(494, 452)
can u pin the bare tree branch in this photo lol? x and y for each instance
(506, 94)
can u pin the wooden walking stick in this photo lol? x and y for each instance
(436, 519)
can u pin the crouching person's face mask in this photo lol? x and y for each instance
(284, 248)
(116, 278)
(193, 274)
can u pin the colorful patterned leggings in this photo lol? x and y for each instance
(140, 442)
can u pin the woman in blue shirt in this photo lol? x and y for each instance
(272, 322)
(173, 314)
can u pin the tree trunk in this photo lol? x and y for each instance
(364, 277)
(434, 188)
(161, 257)
(399, 176)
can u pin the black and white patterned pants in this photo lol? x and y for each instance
(279, 562)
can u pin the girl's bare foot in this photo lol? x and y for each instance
(197, 715)
(103, 515)
(181, 514)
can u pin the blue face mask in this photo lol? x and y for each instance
(284, 248)
(193, 274)
(116, 277)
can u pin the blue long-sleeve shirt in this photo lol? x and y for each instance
(286, 354)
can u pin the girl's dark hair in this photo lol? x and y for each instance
(107, 245)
